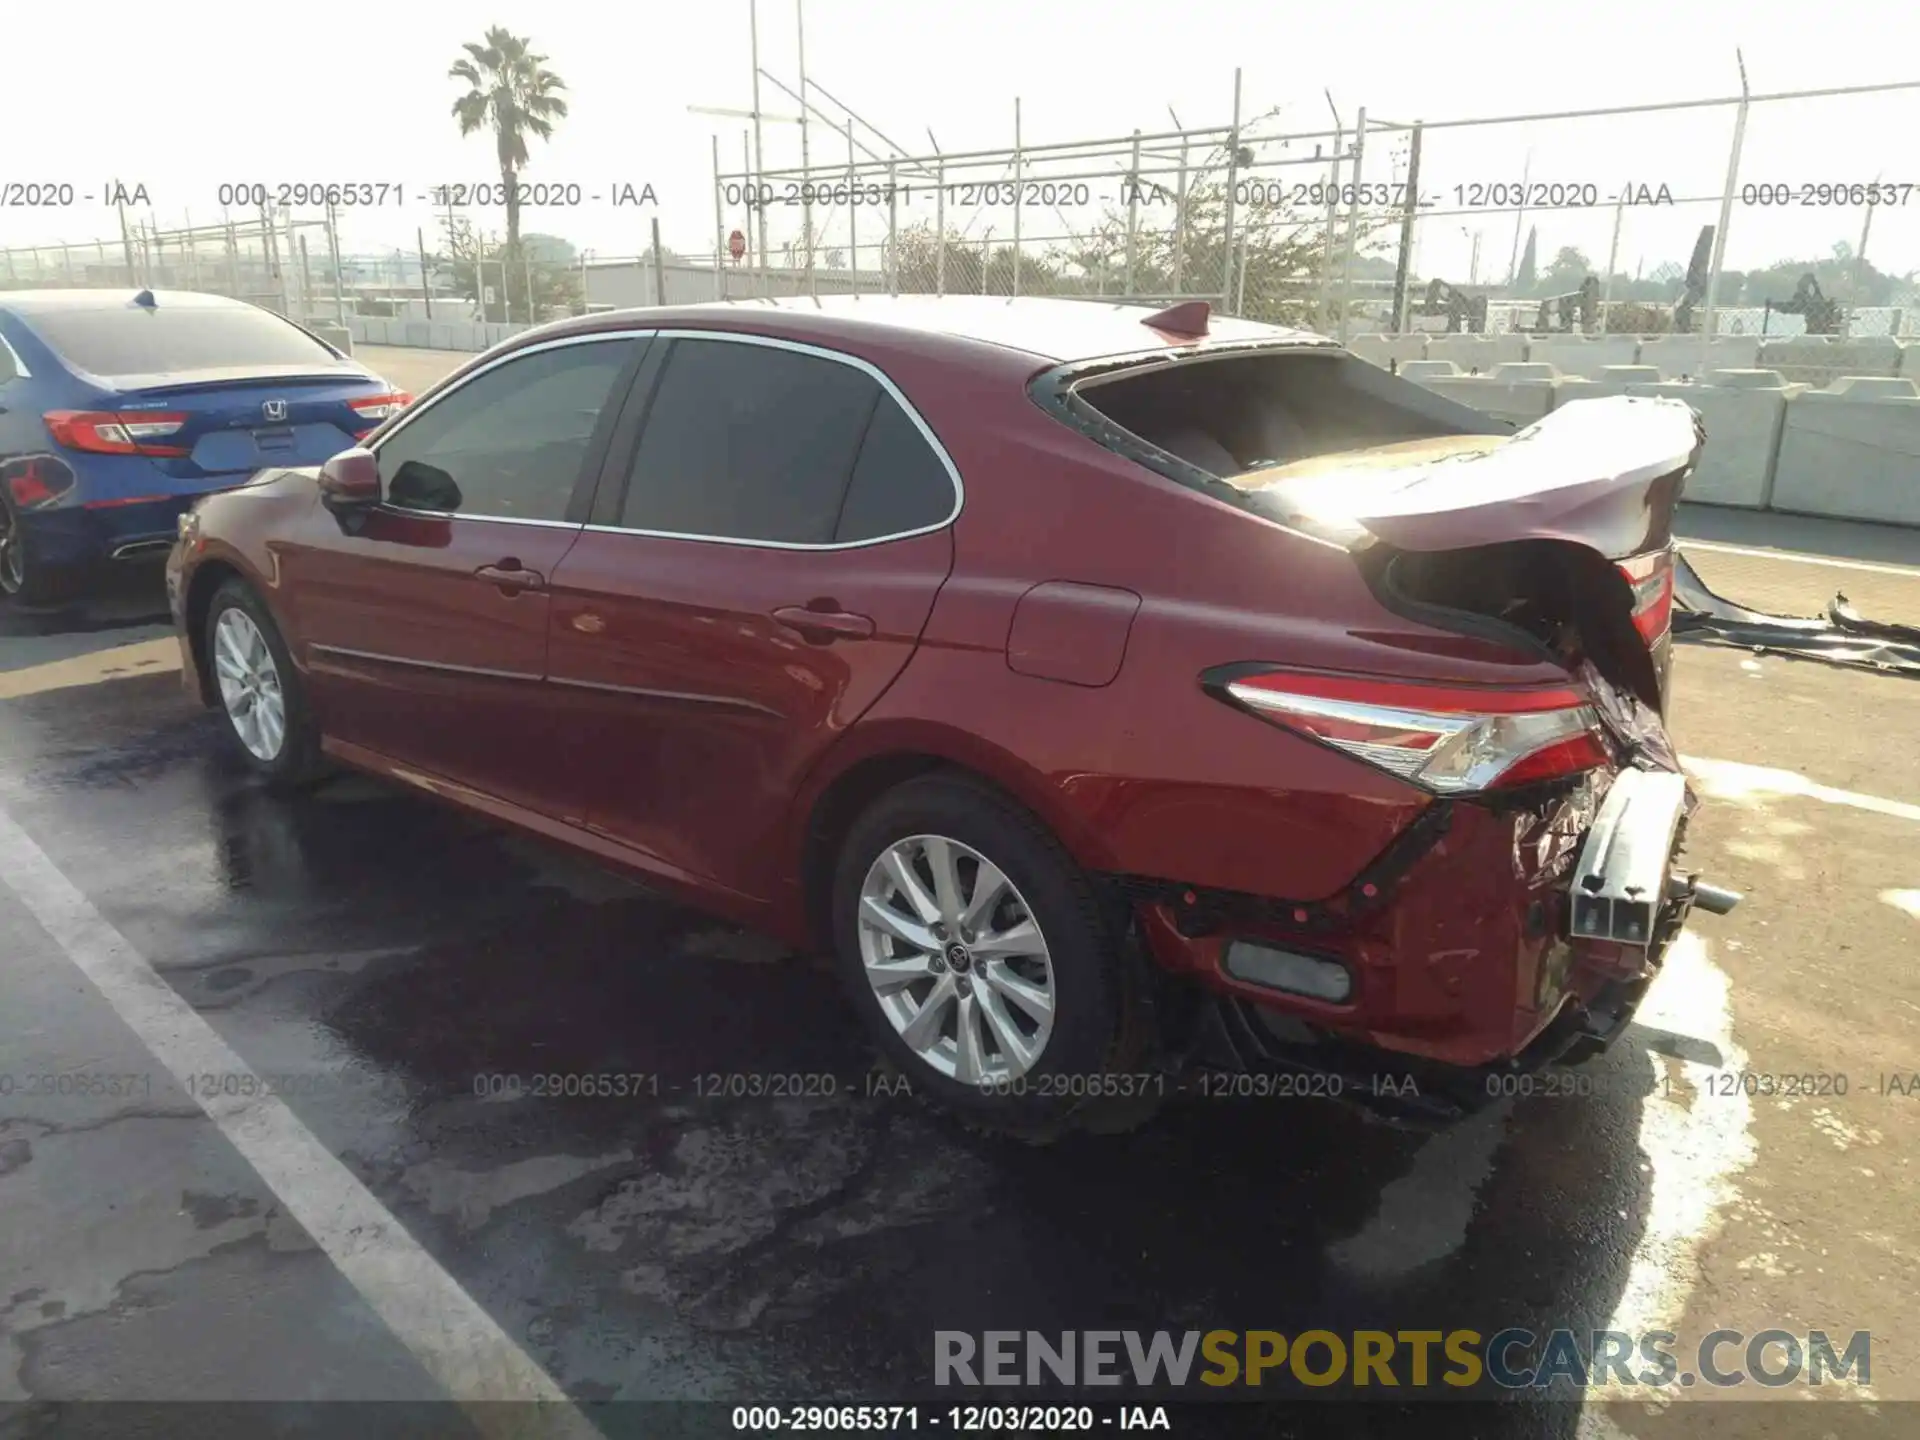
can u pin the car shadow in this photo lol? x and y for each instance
(120, 601)
(736, 1182)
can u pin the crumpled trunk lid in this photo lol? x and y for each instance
(1603, 473)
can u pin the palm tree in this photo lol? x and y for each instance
(514, 93)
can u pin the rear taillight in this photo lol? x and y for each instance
(36, 482)
(1443, 738)
(127, 432)
(376, 409)
(1651, 577)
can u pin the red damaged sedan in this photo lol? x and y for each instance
(1107, 690)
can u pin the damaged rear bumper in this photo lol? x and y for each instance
(1493, 940)
(1236, 1037)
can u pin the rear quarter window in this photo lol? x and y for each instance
(899, 484)
(135, 340)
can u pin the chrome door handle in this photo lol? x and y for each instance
(823, 627)
(511, 576)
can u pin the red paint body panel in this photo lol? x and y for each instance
(691, 712)
(456, 688)
(653, 711)
(1073, 633)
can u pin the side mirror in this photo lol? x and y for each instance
(350, 481)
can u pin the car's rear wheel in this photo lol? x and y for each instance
(980, 956)
(24, 579)
(259, 688)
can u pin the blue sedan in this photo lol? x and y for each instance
(118, 410)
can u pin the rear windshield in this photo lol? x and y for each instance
(1241, 413)
(133, 340)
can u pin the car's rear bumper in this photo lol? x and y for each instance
(1234, 1037)
(77, 537)
(1458, 945)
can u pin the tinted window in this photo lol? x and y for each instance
(898, 484)
(510, 442)
(131, 339)
(749, 442)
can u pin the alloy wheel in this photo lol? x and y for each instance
(956, 960)
(250, 686)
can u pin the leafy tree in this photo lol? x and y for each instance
(513, 93)
(471, 263)
(1279, 251)
(1570, 266)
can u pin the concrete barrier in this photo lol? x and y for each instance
(1743, 411)
(1387, 351)
(1852, 451)
(1520, 391)
(338, 336)
(1823, 359)
(1688, 357)
(1477, 352)
(1584, 355)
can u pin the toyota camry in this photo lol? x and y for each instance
(1106, 690)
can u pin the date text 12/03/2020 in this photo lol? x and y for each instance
(1044, 1419)
(1200, 1084)
(1249, 191)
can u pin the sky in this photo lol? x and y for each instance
(251, 92)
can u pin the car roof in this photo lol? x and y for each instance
(41, 302)
(1051, 330)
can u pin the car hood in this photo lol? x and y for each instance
(1602, 473)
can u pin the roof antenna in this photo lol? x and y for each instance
(1189, 318)
(144, 299)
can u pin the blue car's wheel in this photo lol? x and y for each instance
(22, 579)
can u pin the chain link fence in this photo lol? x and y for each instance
(1228, 214)
(1614, 220)
(292, 261)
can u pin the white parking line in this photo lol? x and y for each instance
(1743, 784)
(455, 1340)
(1695, 1144)
(1788, 555)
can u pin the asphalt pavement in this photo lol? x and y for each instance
(757, 1217)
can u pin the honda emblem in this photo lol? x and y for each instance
(274, 410)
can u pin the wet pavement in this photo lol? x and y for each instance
(753, 1216)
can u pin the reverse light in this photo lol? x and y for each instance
(1651, 576)
(1447, 739)
(106, 432)
(376, 409)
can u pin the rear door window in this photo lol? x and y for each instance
(749, 442)
(508, 444)
(130, 339)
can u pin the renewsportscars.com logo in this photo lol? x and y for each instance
(1514, 1359)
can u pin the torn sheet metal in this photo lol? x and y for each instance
(1842, 637)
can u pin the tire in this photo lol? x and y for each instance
(23, 579)
(1066, 1073)
(286, 754)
